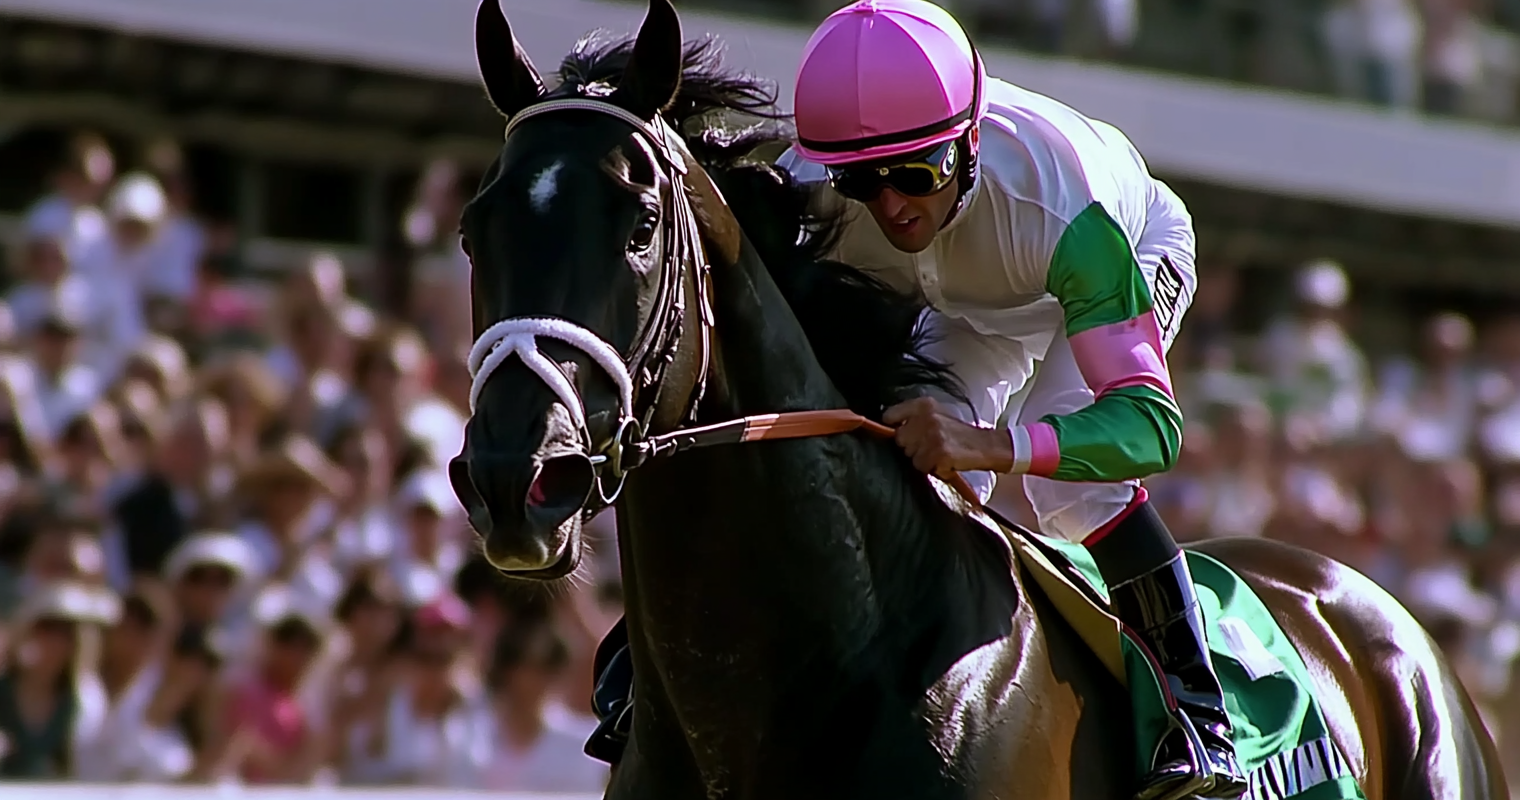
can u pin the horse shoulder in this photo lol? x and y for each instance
(1059, 709)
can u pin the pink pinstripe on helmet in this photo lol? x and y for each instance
(883, 78)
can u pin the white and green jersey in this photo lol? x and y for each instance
(1065, 232)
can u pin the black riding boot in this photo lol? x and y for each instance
(612, 699)
(1152, 593)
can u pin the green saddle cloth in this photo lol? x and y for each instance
(1280, 735)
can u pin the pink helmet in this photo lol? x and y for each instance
(883, 78)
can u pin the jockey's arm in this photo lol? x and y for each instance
(1133, 428)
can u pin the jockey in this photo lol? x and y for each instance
(1036, 236)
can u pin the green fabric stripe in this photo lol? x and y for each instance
(1130, 432)
(1094, 275)
(1272, 715)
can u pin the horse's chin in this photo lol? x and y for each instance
(563, 559)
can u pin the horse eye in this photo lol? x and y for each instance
(643, 233)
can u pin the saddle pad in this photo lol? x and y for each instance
(1281, 738)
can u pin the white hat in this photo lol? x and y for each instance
(139, 197)
(1324, 283)
(278, 603)
(72, 601)
(216, 548)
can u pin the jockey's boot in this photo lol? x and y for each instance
(1152, 593)
(612, 699)
(1162, 609)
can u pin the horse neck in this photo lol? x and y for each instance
(786, 565)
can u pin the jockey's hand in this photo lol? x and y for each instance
(940, 444)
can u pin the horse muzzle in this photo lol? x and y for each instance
(527, 511)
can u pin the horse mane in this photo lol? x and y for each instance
(864, 334)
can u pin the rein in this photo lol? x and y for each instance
(655, 346)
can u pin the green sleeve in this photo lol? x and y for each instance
(1131, 432)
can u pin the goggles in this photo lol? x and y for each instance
(923, 175)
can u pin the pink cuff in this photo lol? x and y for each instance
(1123, 354)
(1036, 450)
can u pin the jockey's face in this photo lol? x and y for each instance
(911, 223)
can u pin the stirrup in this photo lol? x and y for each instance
(1199, 778)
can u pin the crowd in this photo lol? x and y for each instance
(1442, 56)
(229, 549)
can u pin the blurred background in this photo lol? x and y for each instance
(232, 339)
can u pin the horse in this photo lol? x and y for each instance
(807, 615)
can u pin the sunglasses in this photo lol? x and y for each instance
(920, 176)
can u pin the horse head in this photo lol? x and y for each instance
(586, 293)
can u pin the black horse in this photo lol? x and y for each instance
(807, 618)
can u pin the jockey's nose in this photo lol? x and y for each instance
(892, 203)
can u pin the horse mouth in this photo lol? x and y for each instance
(568, 562)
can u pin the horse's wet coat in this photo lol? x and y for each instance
(807, 618)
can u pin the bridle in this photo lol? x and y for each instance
(656, 345)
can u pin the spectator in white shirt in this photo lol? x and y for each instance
(69, 212)
(1374, 48)
(1312, 361)
(173, 279)
(107, 315)
(132, 674)
(211, 576)
(1429, 404)
(428, 524)
(434, 729)
(65, 386)
(290, 489)
(538, 742)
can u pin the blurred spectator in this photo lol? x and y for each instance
(69, 214)
(1240, 492)
(538, 742)
(429, 554)
(172, 281)
(441, 281)
(1453, 54)
(265, 736)
(208, 574)
(1429, 404)
(132, 674)
(431, 728)
(1375, 50)
(1318, 373)
(52, 705)
(367, 527)
(289, 491)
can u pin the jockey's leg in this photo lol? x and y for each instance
(1150, 590)
(612, 699)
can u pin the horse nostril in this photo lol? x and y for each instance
(561, 488)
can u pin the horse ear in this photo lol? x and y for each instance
(653, 75)
(511, 83)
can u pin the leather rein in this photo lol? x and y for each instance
(655, 347)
